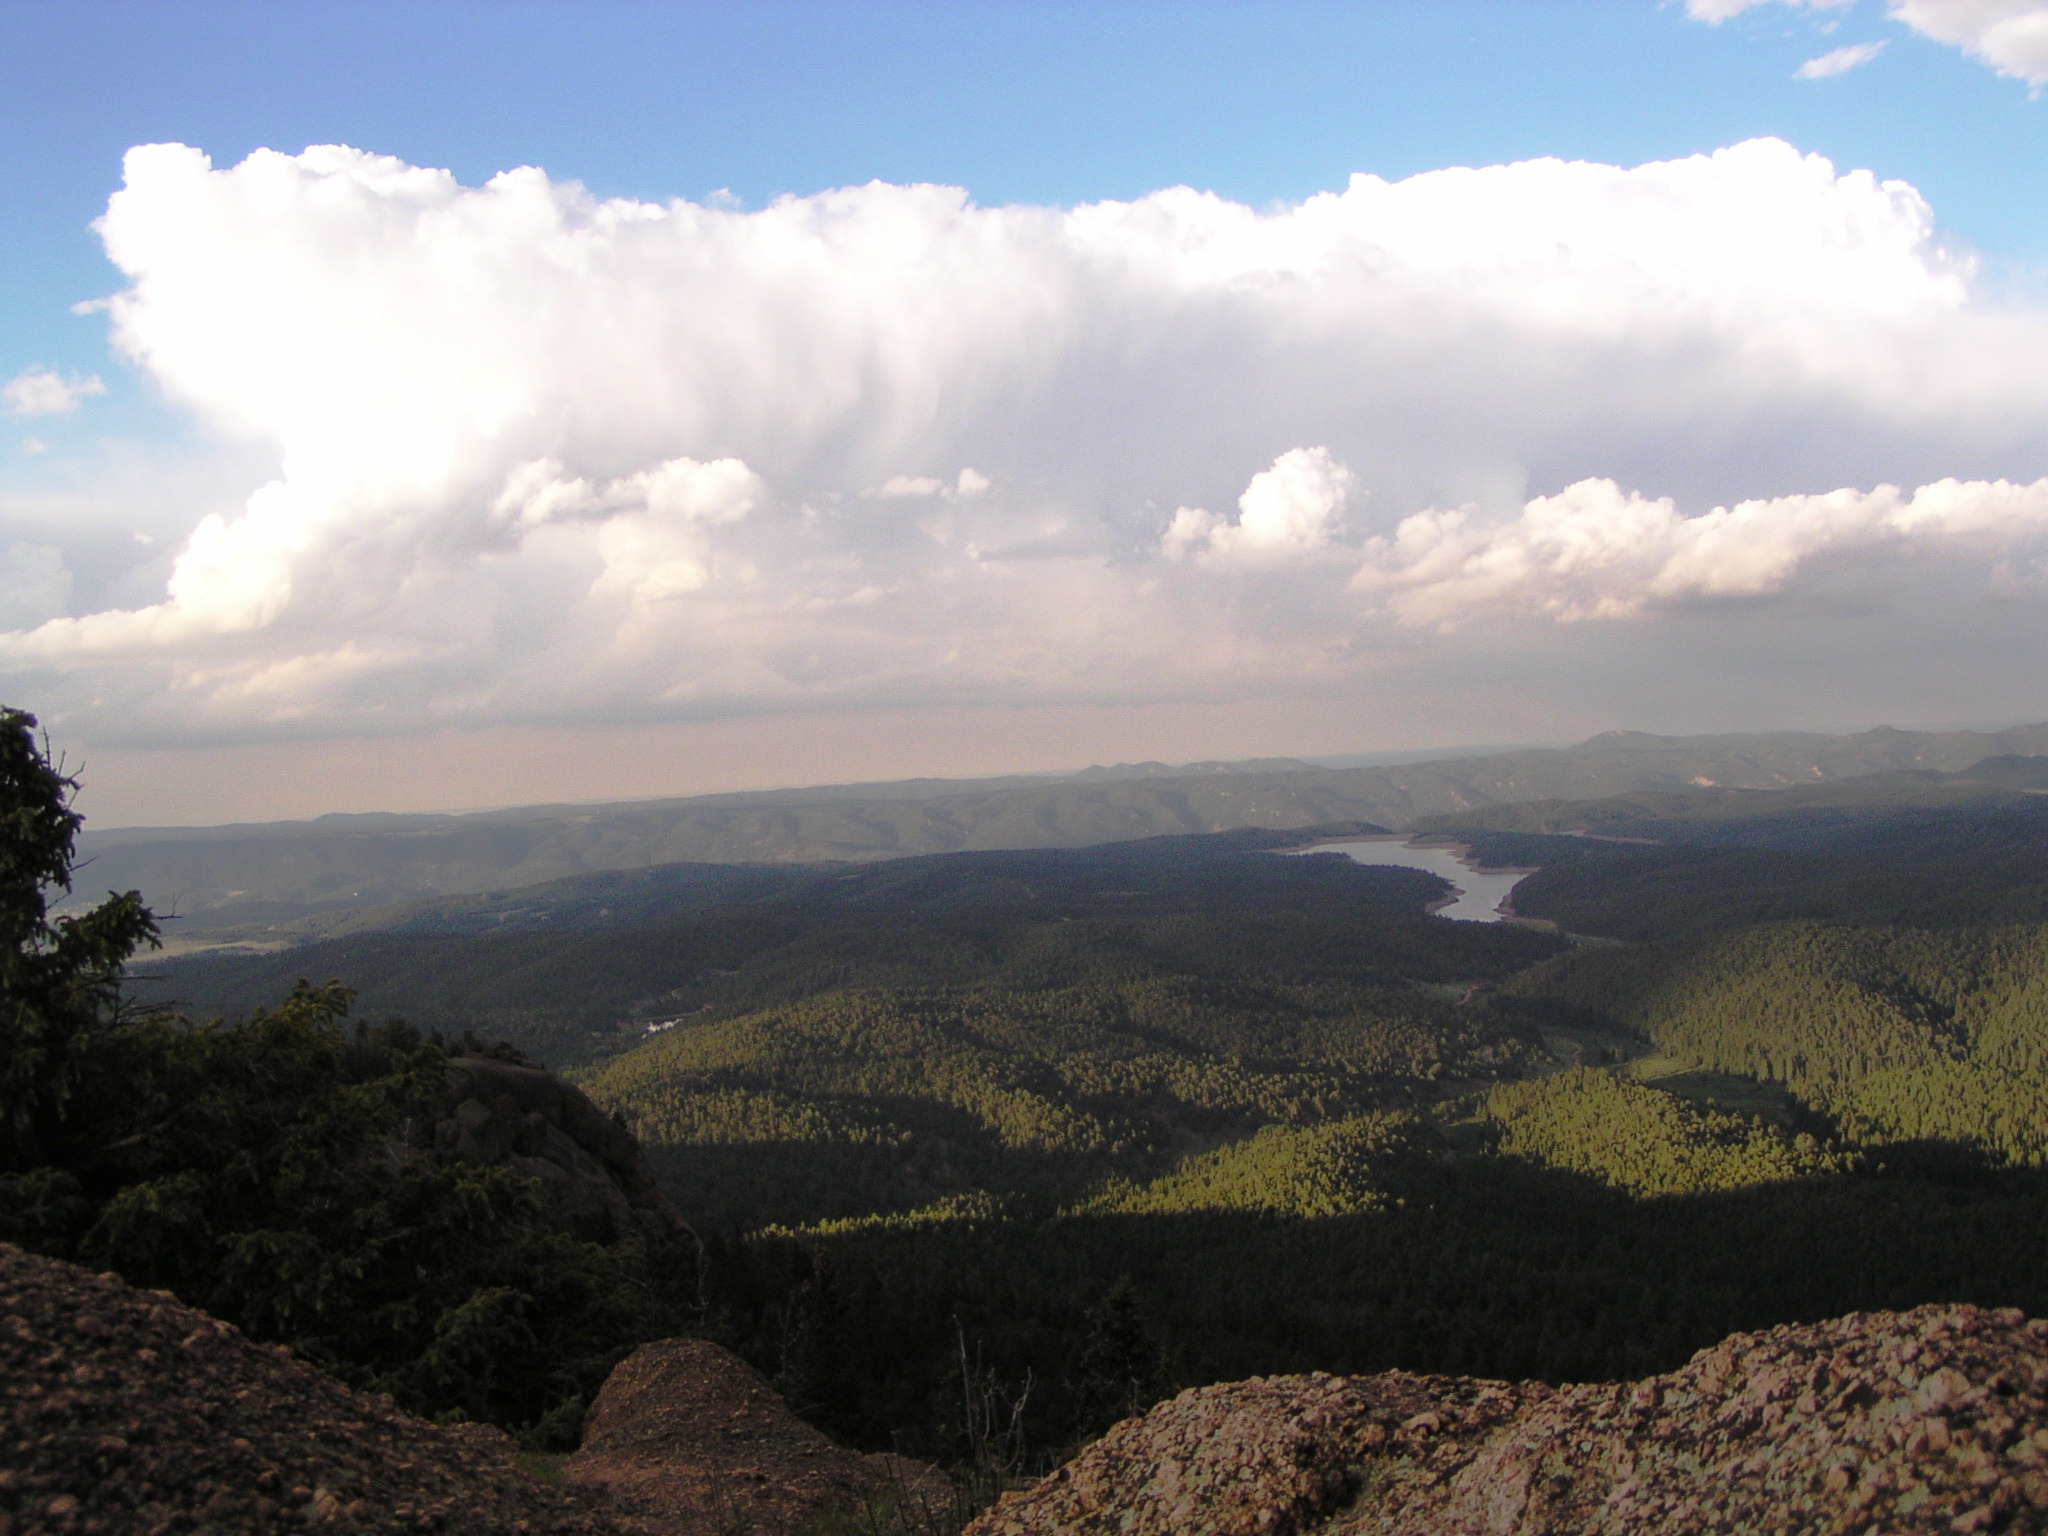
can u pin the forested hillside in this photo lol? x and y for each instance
(580, 970)
(1635, 1138)
(1747, 1119)
(1901, 1035)
(877, 1102)
(1953, 867)
(290, 1174)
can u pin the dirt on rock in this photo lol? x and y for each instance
(694, 1440)
(126, 1411)
(1934, 1420)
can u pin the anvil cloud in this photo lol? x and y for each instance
(541, 455)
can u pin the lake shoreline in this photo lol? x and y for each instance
(1458, 855)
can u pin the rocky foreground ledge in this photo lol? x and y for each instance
(1932, 1420)
(125, 1411)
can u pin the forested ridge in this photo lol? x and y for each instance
(1545, 1203)
(1635, 1138)
(1902, 1035)
(1675, 865)
(576, 971)
(1239, 993)
(1027, 1097)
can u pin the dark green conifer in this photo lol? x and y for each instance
(1122, 1368)
(59, 977)
(816, 1378)
(260, 1169)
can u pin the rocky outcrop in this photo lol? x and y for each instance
(126, 1411)
(1934, 1420)
(510, 1112)
(691, 1437)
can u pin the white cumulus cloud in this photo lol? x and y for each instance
(909, 485)
(1594, 551)
(2009, 35)
(969, 482)
(1288, 512)
(45, 392)
(538, 454)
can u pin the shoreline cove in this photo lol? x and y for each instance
(1478, 894)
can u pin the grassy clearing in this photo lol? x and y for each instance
(1578, 1047)
(1724, 1091)
(541, 1466)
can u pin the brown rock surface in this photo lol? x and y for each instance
(1933, 1420)
(126, 1411)
(692, 1437)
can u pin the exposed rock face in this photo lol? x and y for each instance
(692, 1438)
(514, 1113)
(1932, 1420)
(125, 1411)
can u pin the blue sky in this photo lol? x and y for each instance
(1052, 105)
(1045, 102)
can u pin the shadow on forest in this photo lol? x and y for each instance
(801, 1183)
(1486, 1267)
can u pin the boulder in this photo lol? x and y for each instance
(1934, 1420)
(695, 1440)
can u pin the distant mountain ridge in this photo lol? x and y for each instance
(230, 876)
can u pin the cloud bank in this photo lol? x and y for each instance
(1595, 551)
(545, 456)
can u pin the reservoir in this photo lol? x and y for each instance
(1479, 891)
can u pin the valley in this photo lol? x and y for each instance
(1763, 1055)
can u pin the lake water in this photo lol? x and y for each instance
(1480, 891)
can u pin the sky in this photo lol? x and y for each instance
(440, 405)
